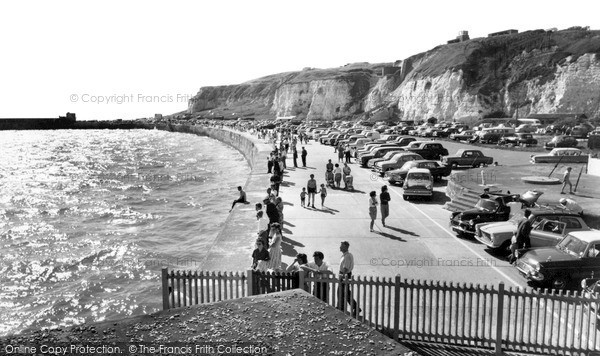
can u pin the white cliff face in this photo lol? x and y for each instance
(575, 89)
(443, 97)
(319, 99)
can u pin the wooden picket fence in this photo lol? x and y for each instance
(520, 320)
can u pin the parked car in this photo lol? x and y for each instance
(405, 130)
(519, 139)
(466, 135)
(446, 132)
(494, 208)
(404, 141)
(435, 168)
(377, 152)
(472, 158)
(549, 227)
(562, 155)
(427, 149)
(574, 258)
(561, 141)
(581, 131)
(418, 183)
(386, 157)
(494, 134)
(396, 162)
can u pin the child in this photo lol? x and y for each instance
(323, 192)
(303, 198)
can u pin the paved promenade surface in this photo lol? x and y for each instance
(416, 243)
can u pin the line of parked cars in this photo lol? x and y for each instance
(564, 253)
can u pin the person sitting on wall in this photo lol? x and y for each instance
(241, 199)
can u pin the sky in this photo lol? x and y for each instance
(131, 59)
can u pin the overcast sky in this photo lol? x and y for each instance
(59, 56)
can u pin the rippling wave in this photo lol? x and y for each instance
(87, 219)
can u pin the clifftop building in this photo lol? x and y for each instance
(462, 36)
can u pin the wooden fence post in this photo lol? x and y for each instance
(397, 307)
(250, 282)
(165, 288)
(499, 315)
(301, 280)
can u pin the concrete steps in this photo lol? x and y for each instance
(463, 201)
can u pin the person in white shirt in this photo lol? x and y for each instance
(319, 268)
(345, 291)
(572, 205)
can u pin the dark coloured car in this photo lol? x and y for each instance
(473, 158)
(378, 152)
(561, 141)
(466, 135)
(405, 130)
(435, 168)
(427, 149)
(565, 265)
(494, 208)
(519, 139)
(445, 132)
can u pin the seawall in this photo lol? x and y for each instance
(226, 253)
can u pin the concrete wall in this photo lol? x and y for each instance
(593, 167)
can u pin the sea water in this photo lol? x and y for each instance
(89, 217)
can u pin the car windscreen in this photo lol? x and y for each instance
(418, 176)
(486, 205)
(572, 246)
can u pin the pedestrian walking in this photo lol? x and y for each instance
(323, 193)
(346, 172)
(341, 153)
(348, 153)
(303, 198)
(337, 174)
(270, 163)
(384, 198)
(521, 237)
(567, 180)
(311, 188)
(345, 274)
(373, 207)
(304, 154)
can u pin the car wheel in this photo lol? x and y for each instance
(405, 197)
(560, 283)
(454, 165)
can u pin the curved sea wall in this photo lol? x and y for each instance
(226, 253)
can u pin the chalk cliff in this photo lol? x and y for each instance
(531, 72)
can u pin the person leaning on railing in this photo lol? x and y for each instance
(296, 268)
(319, 268)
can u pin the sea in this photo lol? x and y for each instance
(89, 217)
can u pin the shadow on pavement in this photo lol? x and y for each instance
(389, 236)
(402, 231)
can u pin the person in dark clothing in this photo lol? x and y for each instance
(295, 158)
(522, 235)
(272, 212)
(384, 199)
(270, 163)
(304, 154)
(259, 254)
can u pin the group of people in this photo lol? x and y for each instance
(321, 270)
(345, 152)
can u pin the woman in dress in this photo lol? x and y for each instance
(373, 207)
(346, 170)
(275, 249)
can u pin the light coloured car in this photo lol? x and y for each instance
(549, 227)
(418, 183)
(562, 155)
(396, 162)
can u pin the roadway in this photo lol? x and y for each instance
(417, 242)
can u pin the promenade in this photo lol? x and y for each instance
(416, 243)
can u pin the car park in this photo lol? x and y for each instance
(404, 141)
(418, 183)
(494, 134)
(405, 130)
(549, 226)
(488, 209)
(446, 132)
(562, 155)
(561, 141)
(574, 258)
(396, 162)
(435, 168)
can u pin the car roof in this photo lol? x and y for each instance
(586, 236)
(419, 170)
(552, 211)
